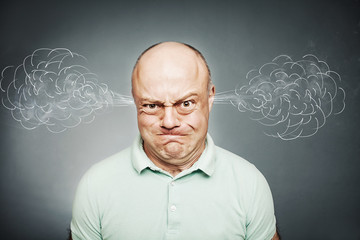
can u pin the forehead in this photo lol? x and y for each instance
(169, 73)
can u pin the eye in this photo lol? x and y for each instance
(186, 107)
(150, 108)
(186, 104)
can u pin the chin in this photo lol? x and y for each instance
(174, 150)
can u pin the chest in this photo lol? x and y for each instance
(164, 209)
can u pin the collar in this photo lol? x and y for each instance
(206, 162)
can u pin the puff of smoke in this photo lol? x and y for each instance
(292, 98)
(52, 88)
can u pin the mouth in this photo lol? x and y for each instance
(172, 133)
(172, 137)
(165, 139)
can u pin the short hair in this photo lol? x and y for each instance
(197, 52)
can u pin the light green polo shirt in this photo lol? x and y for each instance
(126, 196)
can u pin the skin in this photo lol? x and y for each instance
(173, 100)
(276, 236)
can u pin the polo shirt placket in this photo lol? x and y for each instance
(173, 212)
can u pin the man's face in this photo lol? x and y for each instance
(173, 102)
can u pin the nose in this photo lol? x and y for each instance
(170, 118)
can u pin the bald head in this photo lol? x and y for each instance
(166, 53)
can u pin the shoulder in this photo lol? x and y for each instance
(240, 172)
(112, 167)
(228, 159)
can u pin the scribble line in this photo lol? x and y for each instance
(54, 88)
(292, 99)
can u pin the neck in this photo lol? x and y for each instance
(172, 168)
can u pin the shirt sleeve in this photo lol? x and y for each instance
(261, 222)
(85, 223)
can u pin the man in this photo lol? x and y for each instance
(173, 182)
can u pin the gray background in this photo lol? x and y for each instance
(315, 181)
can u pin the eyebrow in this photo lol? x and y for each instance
(190, 94)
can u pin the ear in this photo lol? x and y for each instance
(211, 96)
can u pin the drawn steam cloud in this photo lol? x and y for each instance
(53, 88)
(292, 98)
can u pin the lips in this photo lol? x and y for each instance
(172, 133)
(171, 136)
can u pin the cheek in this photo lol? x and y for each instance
(196, 120)
(147, 121)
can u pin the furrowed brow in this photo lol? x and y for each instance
(191, 94)
(149, 100)
(155, 101)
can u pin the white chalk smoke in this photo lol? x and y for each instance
(53, 88)
(292, 98)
